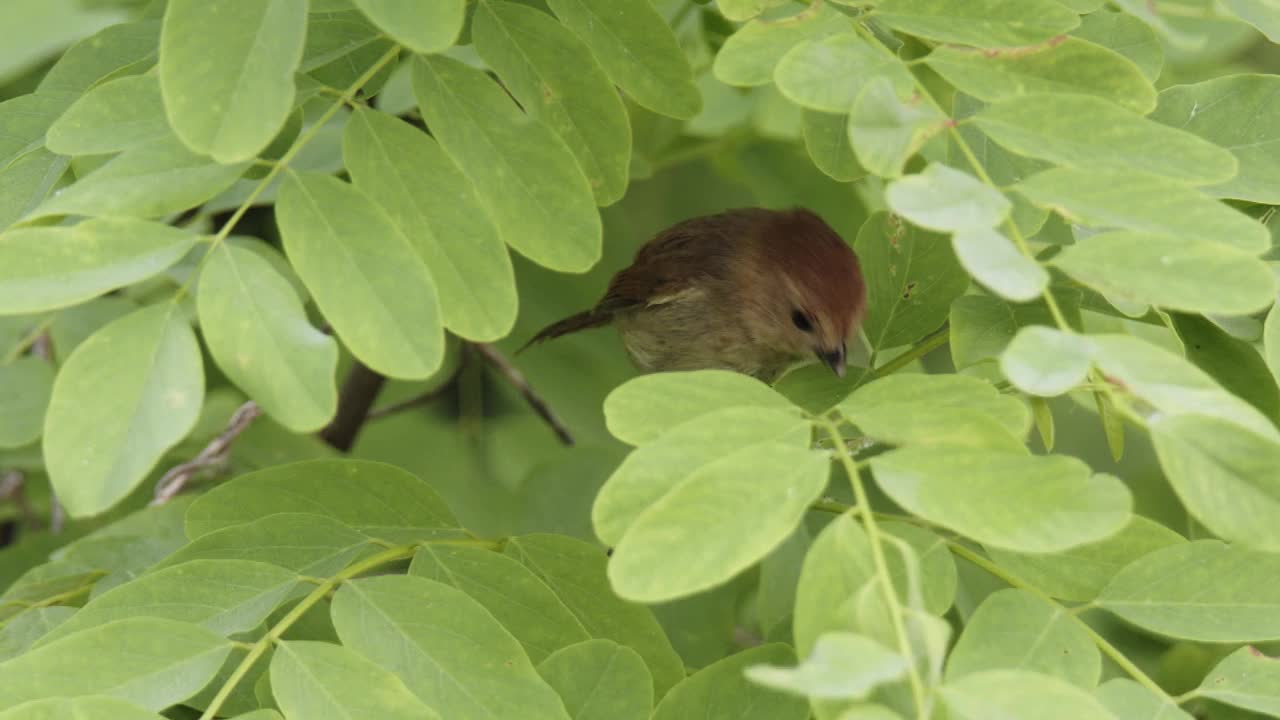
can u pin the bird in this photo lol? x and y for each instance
(751, 290)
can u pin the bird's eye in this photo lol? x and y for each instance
(801, 321)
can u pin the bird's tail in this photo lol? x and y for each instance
(581, 321)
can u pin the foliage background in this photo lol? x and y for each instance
(205, 203)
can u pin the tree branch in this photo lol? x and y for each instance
(359, 391)
(213, 454)
(517, 379)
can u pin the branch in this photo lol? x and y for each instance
(425, 398)
(359, 391)
(517, 379)
(213, 454)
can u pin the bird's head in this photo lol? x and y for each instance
(809, 296)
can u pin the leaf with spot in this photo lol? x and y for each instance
(912, 277)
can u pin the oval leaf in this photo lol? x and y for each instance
(25, 387)
(1015, 630)
(600, 680)
(258, 332)
(45, 268)
(1017, 694)
(639, 51)
(721, 690)
(981, 23)
(378, 499)
(828, 73)
(1177, 274)
(719, 530)
(842, 666)
(1205, 591)
(446, 648)
(111, 117)
(124, 397)
(645, 407)
(367, 279)
(995, 262)
(1046, 362)
(749, 56)
(230, 109)
(1048, 503)
(944, 199)
(320, 680)
(523, 173)
(423, 27)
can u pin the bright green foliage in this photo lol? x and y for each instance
(127, 394)
(230, 109)
(268, 450)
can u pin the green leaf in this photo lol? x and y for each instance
(829, 72)
(114, 51)
(149, 180)
(1171, 384)
(1128, 700)
(576, 571)
(524, 173)
(886, 130)
(992, 260)
(225, 596)
(93, 707)
(1145, 203)
(1205, 591)
(21, 631)
(1232, 362)
(312, 545)
(124, 397)
(27, 181)
(922, 394)
(404, 171)
(49, 267)
(1245, 679)
(645, 407)
(750, 55)
(839, 564)
(944, 199)
(381, 500)
(150, 662)
(422, 27)
(111, 117)
(1050, 127)
(1240, 113)
(258, 332)
(720, 530)
(26, 120)
(1174, 273)
(1080, 573)
(842, 666)
(982, 23)
(232, 107)
(320, 680)
(1262, 14)
(1046, 362)
(1062, 65)
(525, 606)
(1018, 694)
(721, 691)
(912, 276)
(1015, 630)
(870, 712)
(600, 680)
(945, 426)
(1126, 35)
(1048, 503)
(1224, 475)
(660, 467)
(639, 51)
(74, 325)
(826, 137)
(450, 652)
(25, 386)
(739, 10)
(365, 276)
(555, 78)
(1003, 167)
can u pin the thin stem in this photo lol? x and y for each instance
(1103, 644)
(890, 594)
(260, 647)
(27, 341)
(928, 345)
(287, 158)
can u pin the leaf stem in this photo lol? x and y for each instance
(867, 516)
(260, 647)
(1103, 644)
(919, 350)
(287, 158)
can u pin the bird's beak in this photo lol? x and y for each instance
(834, 359)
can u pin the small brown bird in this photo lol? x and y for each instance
(749, 290)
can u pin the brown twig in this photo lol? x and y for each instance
(358, 393)
(213, 454)
(13, 488)
(425, 398)
(517, 379)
